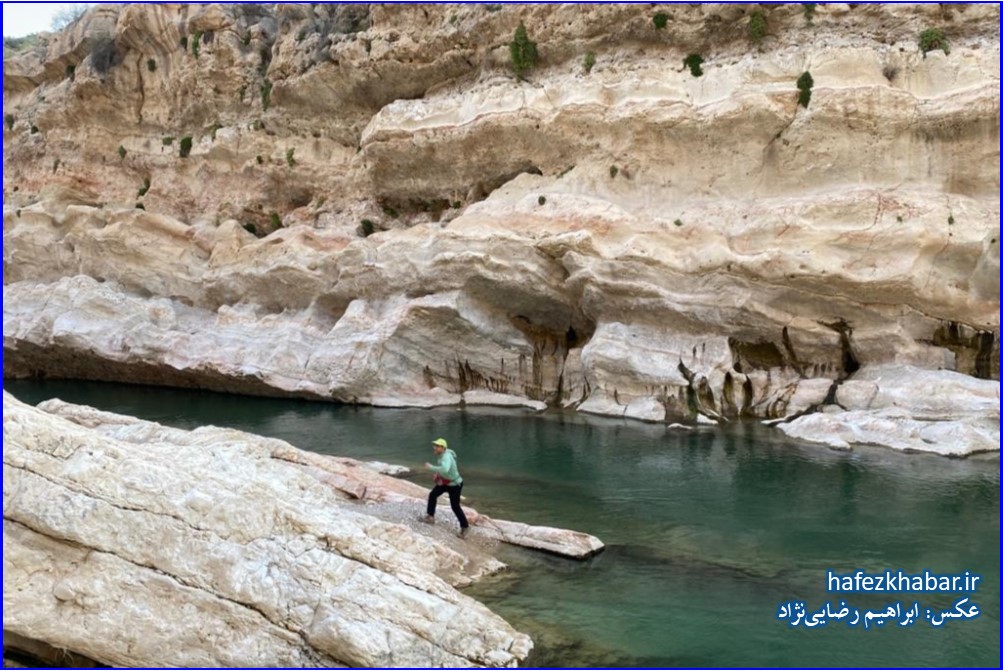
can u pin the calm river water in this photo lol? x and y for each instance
(708, 531)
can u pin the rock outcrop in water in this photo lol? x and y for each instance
(627, 239)
(136, 544)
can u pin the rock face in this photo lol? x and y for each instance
(632, 240)
(908, 409)
(134, 544)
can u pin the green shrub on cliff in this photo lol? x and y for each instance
(276, 220)
(186, 146)
(804, 84)
(693, 62)
(523, 51)
(196, 43)
(9, 120)
(589, 62)
(104, 54)
(809, 12)
(167, 141)
(932, 39)
(121, 151)
(290, 161)
(266, 94)
(757, 26)
(151, 65)
(661, 19)
(15, 45)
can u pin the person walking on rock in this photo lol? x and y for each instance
(448, 481)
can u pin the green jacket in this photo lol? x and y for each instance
(447, 468)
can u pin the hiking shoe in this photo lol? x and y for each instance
(463, 532)
(427, 519)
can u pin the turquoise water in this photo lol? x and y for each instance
(707, 531)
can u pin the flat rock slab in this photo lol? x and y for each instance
(359, 481)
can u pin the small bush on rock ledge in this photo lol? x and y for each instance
(523, 51)
(661, 19)
(266, 94)
(196, 43)
(186, 146)
(932, 39)
(809, 12)
(693, 62)
(804, 84)
(757, 26)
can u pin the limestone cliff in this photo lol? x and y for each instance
(364, 204)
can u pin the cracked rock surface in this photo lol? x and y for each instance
(138, 545)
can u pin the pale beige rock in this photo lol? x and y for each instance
(557, 541)
(267, 566)
(482, 397)
(856, 394)
(908, 408)
(810, 393)
(896, 429)
(508, 262)
(931, 395)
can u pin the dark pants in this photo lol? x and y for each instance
(454, 501)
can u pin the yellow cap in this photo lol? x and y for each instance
(441, 442)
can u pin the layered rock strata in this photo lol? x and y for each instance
(629, 240)
(134, 544)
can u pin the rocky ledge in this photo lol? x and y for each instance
(135, 544)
